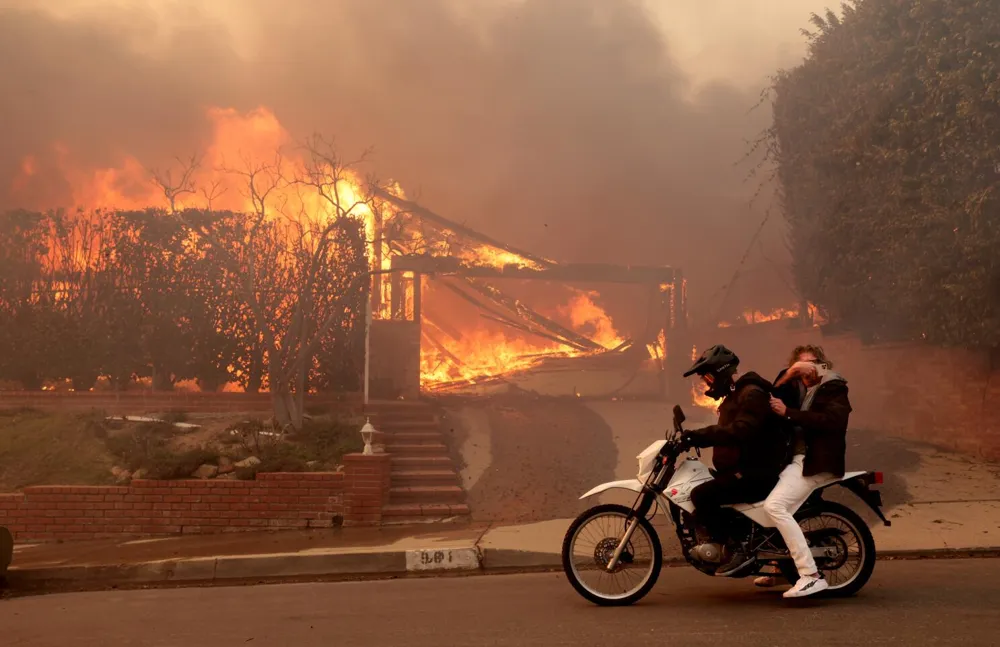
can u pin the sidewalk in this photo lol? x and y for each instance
(243, 557)
(918, 530)
(940, 504)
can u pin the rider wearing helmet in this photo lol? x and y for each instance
(750, 444)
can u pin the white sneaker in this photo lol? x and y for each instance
(808, 585)
(766, 581)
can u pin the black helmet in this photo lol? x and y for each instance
(719, 362)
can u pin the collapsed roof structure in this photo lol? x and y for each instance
(414, 245)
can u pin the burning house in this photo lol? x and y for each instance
(449, 315)
(453, 310)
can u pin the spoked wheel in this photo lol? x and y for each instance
(850, 546)
(590, 545)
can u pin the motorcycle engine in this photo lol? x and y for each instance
(711, 553)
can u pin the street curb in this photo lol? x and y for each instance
(468, 560)
(247, 568)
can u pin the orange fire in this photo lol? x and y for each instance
(483, 353)
(490, 257)
(658, 349)
(584, 314)
(698, 389)
(257, 142)
(752, 316)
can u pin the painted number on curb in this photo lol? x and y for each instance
(444, 559)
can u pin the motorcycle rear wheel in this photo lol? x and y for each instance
(857, 538)
(580, 559)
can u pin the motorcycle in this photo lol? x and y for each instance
(618, 546)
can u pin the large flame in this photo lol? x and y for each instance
(585, 315)
(487, 350)
(483, 354)
(256, 142)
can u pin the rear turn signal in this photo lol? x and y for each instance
(878, 478)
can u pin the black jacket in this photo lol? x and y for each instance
(791, 392)
(825, 427)
(749, 439)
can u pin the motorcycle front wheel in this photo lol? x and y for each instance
(589, 546)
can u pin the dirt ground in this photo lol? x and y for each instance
(543, 454)
(528, 458)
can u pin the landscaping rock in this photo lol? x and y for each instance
(225, 465)
(251, 461)
(140, 473)
(121, 474)
(229, 476)
(206, 472)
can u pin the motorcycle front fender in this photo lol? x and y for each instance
(633, 485)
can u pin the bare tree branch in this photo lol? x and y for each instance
(183, 185)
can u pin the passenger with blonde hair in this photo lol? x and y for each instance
(813, 399)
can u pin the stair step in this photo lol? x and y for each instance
(420, 462)
(417, 425)
(424, 477)
(410, 429)
(429, 494)
(407, 449)
(415, 415)
(399, 512)
(407, 425)
(398, 405)
(414, 437)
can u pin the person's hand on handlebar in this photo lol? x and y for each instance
(693, 438)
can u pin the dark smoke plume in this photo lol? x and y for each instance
(561, 126)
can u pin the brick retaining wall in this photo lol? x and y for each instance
(368, 489)
(157, 508)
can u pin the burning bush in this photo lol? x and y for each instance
(124, 294)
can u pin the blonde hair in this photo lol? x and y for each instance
(816, 351)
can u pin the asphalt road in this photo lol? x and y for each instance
(913, 603)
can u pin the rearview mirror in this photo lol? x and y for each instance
(678, 417)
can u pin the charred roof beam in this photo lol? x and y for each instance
(564, 272)
(426, 214)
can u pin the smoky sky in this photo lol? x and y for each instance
(561, 126)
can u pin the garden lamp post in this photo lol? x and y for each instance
(367, 432)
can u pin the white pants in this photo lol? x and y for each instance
(784, 501)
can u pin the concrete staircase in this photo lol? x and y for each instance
(425, 484)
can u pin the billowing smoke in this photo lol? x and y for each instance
(562, 126)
